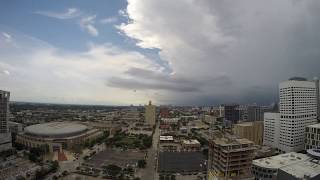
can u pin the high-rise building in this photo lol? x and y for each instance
(230, 158)
(316, 80)
(271, 129)
(250, 113)
(250, 130)
(150, 113)
(298, 109)
(231, 113)
(255, 113)
(5, 136)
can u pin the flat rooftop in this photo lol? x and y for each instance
(314, 125)
(166, 138)
(281, 160)
(191, 141)
(310, 168)
(232, 141)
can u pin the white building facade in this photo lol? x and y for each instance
(312, 137)
(298, 109)
(271, 129)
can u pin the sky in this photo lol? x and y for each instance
(181, 52)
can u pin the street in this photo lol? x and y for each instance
(150, 171)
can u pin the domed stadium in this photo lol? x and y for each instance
(56, 129)
(57, 135)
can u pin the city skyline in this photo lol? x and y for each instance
(130, 52)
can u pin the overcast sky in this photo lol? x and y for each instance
(185, 52)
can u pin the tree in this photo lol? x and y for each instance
(147, 141)
(173, 177)
(142, 163)
(205, 152)
(33, 157)
(112, 170)
(54, 166)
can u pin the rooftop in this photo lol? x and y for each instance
(276, 162)
(191, 141)
(166, 138)
(232, 141)
(56, 129)
(300, 170)
(314, 125)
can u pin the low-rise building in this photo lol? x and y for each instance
(267, 168)
(166, 139)
(15, 127)
(170, 120)
(112, 128)
(312, 137)
(308, 169)
(190, 145)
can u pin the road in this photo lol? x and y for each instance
(150, 171)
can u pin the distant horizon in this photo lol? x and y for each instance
(140, 105)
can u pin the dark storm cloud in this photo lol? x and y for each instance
(146, 79)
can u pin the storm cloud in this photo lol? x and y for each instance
(253, 43)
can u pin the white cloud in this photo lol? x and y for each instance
(70, 13)
(48, 74)
(6, 72)
(7, 37)
(253, 43)
(108, 20)
(87, 23)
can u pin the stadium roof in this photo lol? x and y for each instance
(56, 129)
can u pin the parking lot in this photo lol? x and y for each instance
(181, 162)
(116, 157)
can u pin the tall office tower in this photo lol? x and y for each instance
(231, 113)
(255, 113)
(271, 129)
(5, 136)
(298, 109)
(150, 113)
(243, 113)
(250, 113)
(230, 158)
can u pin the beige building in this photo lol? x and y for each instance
(250, 130)
(230, 158)
(190, 145)
(150, 113)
